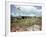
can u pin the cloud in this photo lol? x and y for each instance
(25, 11)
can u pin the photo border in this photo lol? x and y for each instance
(7, 29)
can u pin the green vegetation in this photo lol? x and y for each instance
(26, 21)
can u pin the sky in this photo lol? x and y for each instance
(26, 10)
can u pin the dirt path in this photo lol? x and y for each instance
(25, 28)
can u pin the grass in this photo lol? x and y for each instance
(26, 22)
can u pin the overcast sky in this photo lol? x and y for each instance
(26, 10)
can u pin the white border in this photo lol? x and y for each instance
(20, 34)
